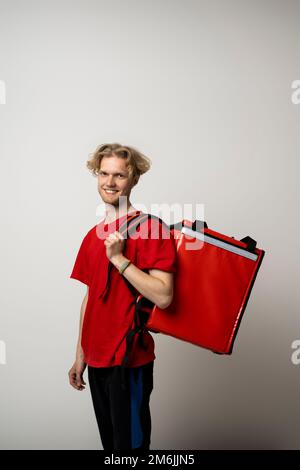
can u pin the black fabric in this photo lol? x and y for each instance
(117, 409)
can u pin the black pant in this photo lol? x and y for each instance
(123, 416)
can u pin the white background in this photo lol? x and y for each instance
(203, 88)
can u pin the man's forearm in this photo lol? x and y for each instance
(79, 352)
(150, 287)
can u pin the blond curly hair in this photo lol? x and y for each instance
(136, 163)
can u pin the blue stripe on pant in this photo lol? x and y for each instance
(136, 392)
(123, 416)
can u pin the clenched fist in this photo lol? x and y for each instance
(114, 245)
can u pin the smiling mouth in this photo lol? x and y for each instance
(110, 191)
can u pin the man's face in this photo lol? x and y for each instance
(114, 180)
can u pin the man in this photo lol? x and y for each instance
(107, 310)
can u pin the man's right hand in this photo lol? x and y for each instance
(76, 374)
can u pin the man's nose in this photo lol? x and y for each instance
(111, 181)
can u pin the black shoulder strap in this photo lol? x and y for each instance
(129, 227)
(142, 305)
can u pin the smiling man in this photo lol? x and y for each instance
(107, 310)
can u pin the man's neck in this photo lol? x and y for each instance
(113, 213)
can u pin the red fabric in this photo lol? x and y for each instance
(106, 321)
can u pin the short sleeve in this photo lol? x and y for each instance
(81, 269)
(157, 249)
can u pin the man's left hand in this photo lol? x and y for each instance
(114, 245)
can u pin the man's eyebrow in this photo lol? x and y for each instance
(117, 173)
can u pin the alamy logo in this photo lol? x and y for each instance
(2, 352)
(296, 94)
(295, 357)
(2, 92)
(169, 213)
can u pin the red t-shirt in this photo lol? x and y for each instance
(107, 320)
